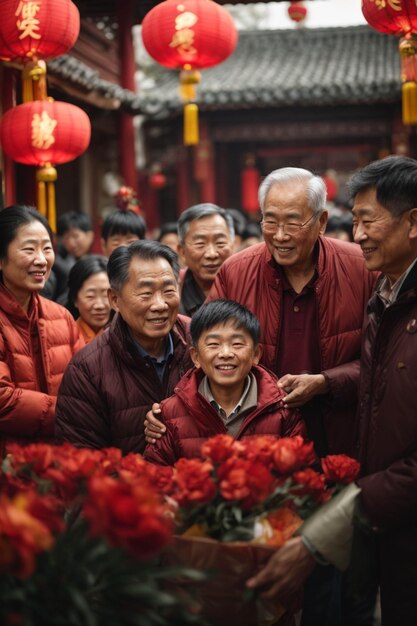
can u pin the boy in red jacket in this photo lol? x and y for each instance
(227, 391)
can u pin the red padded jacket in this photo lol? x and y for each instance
(28, 396)
(191, 420)
(343, 288)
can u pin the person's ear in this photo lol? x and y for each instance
(181, 254)
(113, 299)
(413, 223)
(257, 354)
(323, 222)
(194, 357)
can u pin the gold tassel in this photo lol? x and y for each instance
(46, 177)
(409, 90)
(34, 85)
(191, 135)
(189, 80)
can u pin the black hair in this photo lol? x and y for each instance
(239, 220)
(222, 311)
(340, 222)
(72, 219)
(198, 212)
(167, 228)
(82, 270)
(12, 218)
(120, 259)
(394, 179)
(251, 230)
(123, 223)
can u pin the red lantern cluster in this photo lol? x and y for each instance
(37, 29)
(43, 132)
(297, 12)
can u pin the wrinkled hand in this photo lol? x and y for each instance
(154, 429)
(301, 388)
(285, 571)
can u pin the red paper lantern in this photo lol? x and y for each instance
(297, 11)
(331, 187)
(43, 132)
(157, 180)
(37, 29)
(250, 179)
(395, 17)
(193, 34)
(399, 17)
(189, 36)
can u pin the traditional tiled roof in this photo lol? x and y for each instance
(278, 68)
(270, 68)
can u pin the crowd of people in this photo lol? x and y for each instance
(215, 327)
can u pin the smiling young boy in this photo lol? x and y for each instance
(226, 392)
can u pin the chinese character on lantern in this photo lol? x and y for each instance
(29, 24)
(43, 128)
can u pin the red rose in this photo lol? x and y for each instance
(259, 448)
(193, 482)
(339, 468)
(310, 482)
(128, 515)
(219, 448)
(291, 454)
(247, 481)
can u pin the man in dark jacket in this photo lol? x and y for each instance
(206, 234)
(379, 512)
(107, 390)
(226, 392)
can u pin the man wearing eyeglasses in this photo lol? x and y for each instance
(309, 293)
(373, 522)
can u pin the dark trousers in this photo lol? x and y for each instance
(322, 598)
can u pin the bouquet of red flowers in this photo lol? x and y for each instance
(242, 500)
(80, 533)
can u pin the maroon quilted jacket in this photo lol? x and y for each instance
(191, 420)
(108, 388)
(343, 288)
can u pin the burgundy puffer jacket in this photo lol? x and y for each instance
(387, 416)
(191, 420)
(343, 288)
(107, 389)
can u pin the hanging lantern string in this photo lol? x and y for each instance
(189, 79)
(46, 177)
(34, 85)
(408, 55)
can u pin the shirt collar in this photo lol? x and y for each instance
(248, 399)
(389, 293)
(169, 350)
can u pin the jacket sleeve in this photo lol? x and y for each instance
(81, 416)
(23, 412)
(164, 451)
(343, 382)
(293, 424)
(389, 496)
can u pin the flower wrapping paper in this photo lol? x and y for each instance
(222, 598)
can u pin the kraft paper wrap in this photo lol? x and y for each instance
(222, 597)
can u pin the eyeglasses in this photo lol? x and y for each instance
(291, 228)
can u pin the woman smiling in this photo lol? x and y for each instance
(37, 337)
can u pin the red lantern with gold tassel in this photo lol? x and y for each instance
(399, 17)
(189, 36)
(45, 133)
(249, 181)
(297, 12)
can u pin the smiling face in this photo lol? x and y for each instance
(92, 301)
(388, 243)
(226, 355)
(206, 246)
(287, 203)
(148, 302)
(28, 262)
(77, 242)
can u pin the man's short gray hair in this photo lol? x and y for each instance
(316, 188)
(197, 212)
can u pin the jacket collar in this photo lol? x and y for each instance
(12, 308)
(320, 253)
